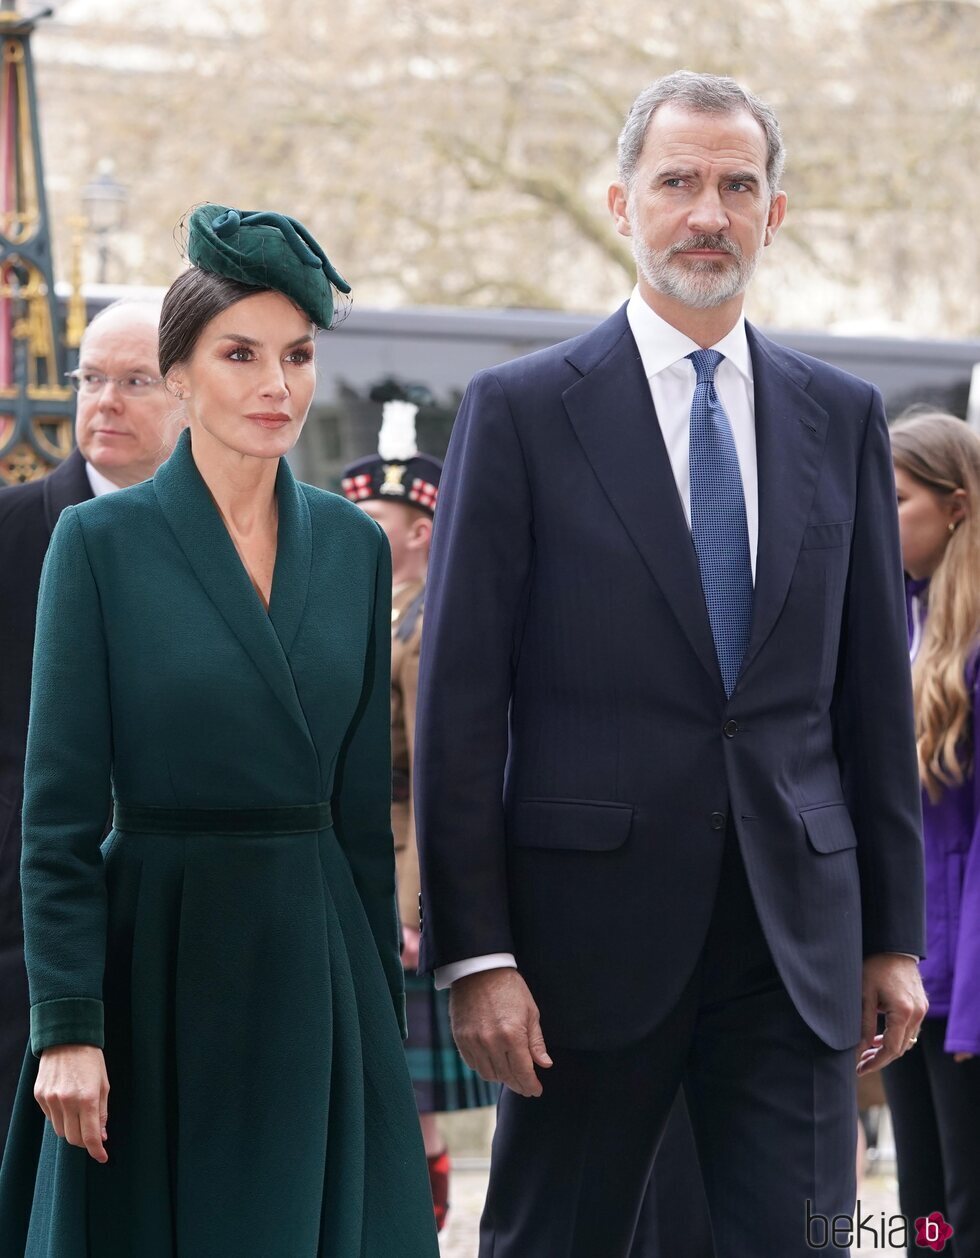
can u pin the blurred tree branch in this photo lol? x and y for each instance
(450, 151)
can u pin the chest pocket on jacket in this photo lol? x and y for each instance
(823, 536)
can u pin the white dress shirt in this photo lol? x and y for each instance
(671, 376)
(100, 484)
(672, 379)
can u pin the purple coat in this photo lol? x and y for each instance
(951, 829)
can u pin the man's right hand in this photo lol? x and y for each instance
(498, 1030)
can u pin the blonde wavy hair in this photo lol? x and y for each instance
(942, 453)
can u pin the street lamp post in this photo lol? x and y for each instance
(36, 407)
(104, 200)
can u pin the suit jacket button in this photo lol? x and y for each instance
(718, 821)
(730, 729)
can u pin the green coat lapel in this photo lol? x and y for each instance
(193, 518)
(294, 558)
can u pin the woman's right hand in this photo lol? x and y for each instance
(73, 1090)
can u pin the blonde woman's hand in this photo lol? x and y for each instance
(963, 1056)
(72, 1089)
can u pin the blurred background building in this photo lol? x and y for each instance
(454, 153)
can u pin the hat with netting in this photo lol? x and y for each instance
(266, 250)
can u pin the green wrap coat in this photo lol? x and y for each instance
(233, 948)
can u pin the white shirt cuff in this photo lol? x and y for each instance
(446, 975)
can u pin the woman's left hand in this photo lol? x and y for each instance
(963, 1056)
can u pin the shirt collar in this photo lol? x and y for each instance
(661, 345)
(100, 484)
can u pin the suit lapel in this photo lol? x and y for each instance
(612, 413)
(195, 522)
(791, 431)
(65, 486)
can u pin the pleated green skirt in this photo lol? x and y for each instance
(260, 1105)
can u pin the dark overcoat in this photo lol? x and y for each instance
(233, 943)
(28, 514)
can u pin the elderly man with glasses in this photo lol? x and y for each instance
(125, 426)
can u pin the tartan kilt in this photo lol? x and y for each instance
(442, 1080)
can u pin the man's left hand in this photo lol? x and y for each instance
(410, 948)
(891, 986)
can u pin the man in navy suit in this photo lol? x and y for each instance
(667, 795)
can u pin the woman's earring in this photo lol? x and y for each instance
(952, 527)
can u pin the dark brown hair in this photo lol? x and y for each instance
(191, 302)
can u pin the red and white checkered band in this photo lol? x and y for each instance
(424, 493)
(357, 488)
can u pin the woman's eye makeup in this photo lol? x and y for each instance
(245, 354)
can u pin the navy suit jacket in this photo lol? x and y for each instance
(578, 762)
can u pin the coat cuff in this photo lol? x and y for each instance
(72, 1020)
(875, 948)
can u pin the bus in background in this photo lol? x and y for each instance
(428, 354)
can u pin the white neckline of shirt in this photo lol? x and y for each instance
(100, 484)
(671, 379)
(661, 345)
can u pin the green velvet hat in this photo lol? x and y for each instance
(266, 250)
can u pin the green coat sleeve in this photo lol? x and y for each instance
(67, 796)
(362, 799)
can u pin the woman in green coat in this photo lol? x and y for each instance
(212, 665)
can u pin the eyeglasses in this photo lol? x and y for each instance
(134, 385)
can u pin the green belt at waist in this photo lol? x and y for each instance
(295, 819)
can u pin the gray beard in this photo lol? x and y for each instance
(700, 285)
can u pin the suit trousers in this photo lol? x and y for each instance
(935, 1107)
(773, 1111)
(675, 1200)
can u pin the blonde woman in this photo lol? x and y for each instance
(934, 1092)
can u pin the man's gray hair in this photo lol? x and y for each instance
(148, 307)
(702, 93)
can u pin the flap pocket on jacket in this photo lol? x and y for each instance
(829, 827)
(573, 824)
(821, 536)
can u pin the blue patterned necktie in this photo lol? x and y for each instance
(718, 524)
